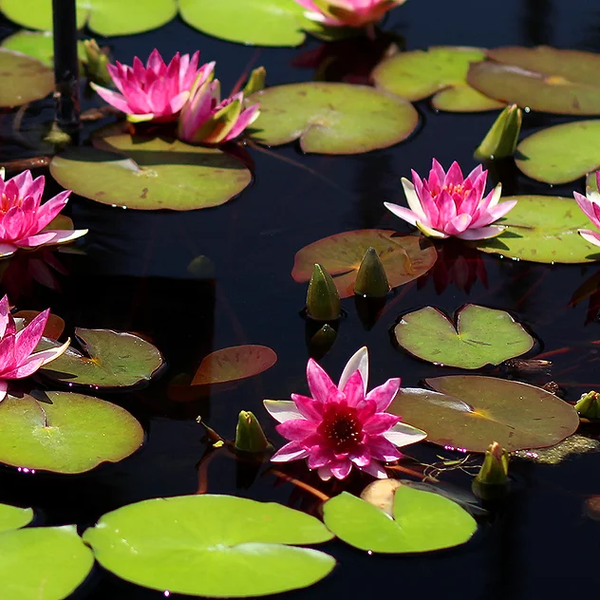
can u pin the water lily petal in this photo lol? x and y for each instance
(359, 361)
(282, 410)
(361, 457)
(481, 233)
(593, 237)
(309, 408)
(375, 469)
(402, 434)
(291, 451)
(404, 213)
(354, 390)
(320, 384)
(413, 200)
(384, 394)
(296, 430)
(36, 362)
(382, 449)
(319, 457)
(380, 423)
(341, 469)
(3, 389)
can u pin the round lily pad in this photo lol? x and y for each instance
(469, 412)
(43, 563)
(38, 44)
(543, 78)
(150, 173)
(480, 337)
(561, 153)
(207, 545)
(332, 118)
(404, 258)
(13, 517)
(440, 71)
(543, 229)
(65, 433)
(422, 522)
(111, 359)
(24, 79)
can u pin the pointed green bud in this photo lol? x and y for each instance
(491, 481)
(256, 81)
(249, 436)
(96, 62)
(588, 406)
(325, 336)
(501, 140)
(322, 299)
(371, 281)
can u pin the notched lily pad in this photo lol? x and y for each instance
(440, 71)
(404, 258)
(13, 517)
(150, 173)
(543, 78)
(482, 336)
(468, 412)
(24, 79)
(332, 118)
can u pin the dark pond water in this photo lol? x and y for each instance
(134, 276)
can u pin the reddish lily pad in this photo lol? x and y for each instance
(440, 71)
(66, 433)
(150, 173)
(404, 258)
(54, 326)
(332, 118)
(468, 412)
(24, 79)
(543, 78)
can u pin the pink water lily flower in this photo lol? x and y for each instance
(156, 92)
(348, 13)
(23, 218)
(207, 120)
(18, 358)
(448, 204)
(342, 426)
(590, 205)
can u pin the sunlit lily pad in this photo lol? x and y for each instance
(151, 173)
(332, 118)
(216, 546)
(404, 258)
(543, 78)
(13, 517)
(24, 79)
(480, 337)
(54, 326)
(422, 522)
(110, 359)
(43, 563)
(440, 71)
(38, 44)
(106, 17)
(65, 433)
(543, 229)
(468, 412)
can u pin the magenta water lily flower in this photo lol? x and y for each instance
(23, 218)
(156, 92)
(18, 358)
(590, 205)
(343, 426)
(448, 204)
(348, 13)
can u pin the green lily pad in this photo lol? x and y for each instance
(482, 336)
(543, 229)
(111, 359)
(150, 173)
(38, 44)
(543, 78)
(13, 517)
(68, 433)
(332, 118)
(106, 17)
(561, 153)
(440, 71)
(422, 522)
(208, 545)
(24, 79)
(43, 563)
(469, 412)
(404, 258)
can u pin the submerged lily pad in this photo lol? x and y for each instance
(561, 153)
(480, 337)
(332, 118)
(13, 517)
(543, 78)
(38, 44)
(422, 522)
(543, 229)
(468, 412)
(65, 433)
(208, 545)
(404, 258)
(440, 71)
(24, 79)
(43, 563)
(151, 174)
(111, 359)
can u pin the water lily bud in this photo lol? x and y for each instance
(256, 81)
(371, 281)
(501, 140)
(96, 63)
(491, 481)
(249, 436)
(322, 299)
(319, 342)
(588, 406)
